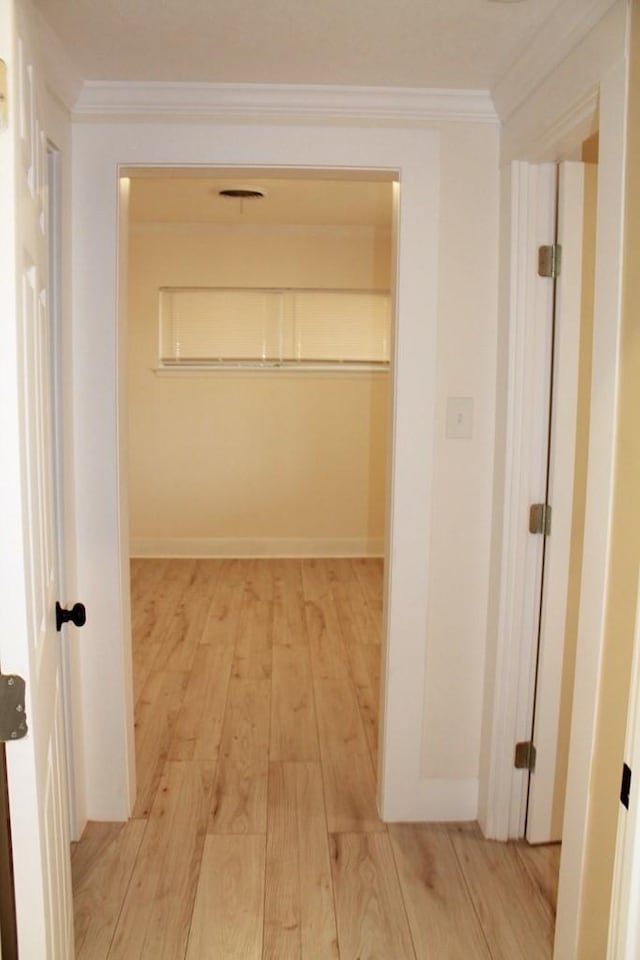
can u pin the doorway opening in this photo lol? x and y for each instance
(236, 453)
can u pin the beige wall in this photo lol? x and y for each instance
(623, 571)
(254, 462)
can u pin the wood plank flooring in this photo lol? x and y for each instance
(255, 833)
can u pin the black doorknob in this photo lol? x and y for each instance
(77, 615)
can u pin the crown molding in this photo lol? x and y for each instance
(567, 25)
(559, 139)
(281, 102)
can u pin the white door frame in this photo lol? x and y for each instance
(503, 789)
(100, 153)
(607, 325)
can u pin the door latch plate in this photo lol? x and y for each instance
(13, 719)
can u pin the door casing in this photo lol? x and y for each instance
(101, 155)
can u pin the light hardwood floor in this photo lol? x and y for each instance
(255, 834)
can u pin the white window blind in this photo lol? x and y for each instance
(263, 327)
(341, 327)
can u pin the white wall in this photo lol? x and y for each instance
(446, 283)
(245, 463)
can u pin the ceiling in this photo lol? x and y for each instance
(290, 202)
(457, 44)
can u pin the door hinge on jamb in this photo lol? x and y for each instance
(549, 260)
(13, 719)
(540, 518)
(525, 756)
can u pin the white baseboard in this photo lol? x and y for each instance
(434, 801)
(250, 547)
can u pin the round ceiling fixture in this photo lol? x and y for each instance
(241, 193)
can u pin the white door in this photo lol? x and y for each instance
(555, 664)
(29, 644)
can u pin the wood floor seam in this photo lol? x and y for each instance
(123, 900)
(404, 903)
(470, 898)
(193, 905)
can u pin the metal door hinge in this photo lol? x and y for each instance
(540, 518)
(625, 786)
(525, 756)
(13, 720)
(4, 94)
(549, 260)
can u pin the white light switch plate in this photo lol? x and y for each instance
(459, 418)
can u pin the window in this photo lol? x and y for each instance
(211, 327)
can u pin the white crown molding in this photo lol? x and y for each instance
(277, 102)
(575, 124)
(559, 139)
(569, 23)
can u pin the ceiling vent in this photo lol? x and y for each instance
(241, 193)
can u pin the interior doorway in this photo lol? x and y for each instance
(259, 347)
(246, 454)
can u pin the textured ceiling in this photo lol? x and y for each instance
(405, 43)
